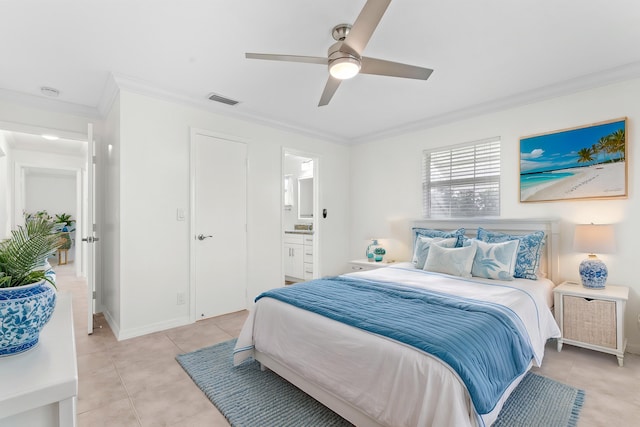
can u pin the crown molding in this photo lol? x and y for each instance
(590, 81)
(144, 88)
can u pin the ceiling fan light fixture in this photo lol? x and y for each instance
(344, 68)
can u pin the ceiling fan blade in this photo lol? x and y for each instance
(329, 89)
(365, 24)
(393, 69)
(289, 58)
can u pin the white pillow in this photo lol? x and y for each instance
(424, 243)
(454, 261)
(495, 260)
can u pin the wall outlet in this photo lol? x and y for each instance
(180, 298)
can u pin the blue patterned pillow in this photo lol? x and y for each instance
(454, 261)
(422, 248)
(430, 232)
(495, 260)
(529, 250)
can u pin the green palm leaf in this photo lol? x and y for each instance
(23, 255)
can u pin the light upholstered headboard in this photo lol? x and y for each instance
(549, 260)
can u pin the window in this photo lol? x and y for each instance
(462, 181)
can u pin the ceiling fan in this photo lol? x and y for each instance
(345, 58)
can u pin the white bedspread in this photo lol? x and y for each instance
(393, 383)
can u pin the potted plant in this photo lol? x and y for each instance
(27, 284)
(66, 224)
(65, 220)
(28, 217)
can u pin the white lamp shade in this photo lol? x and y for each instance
(594, 238)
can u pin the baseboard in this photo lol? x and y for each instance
(633, 348)
(124, 334)
(115, 328)
(99, 308)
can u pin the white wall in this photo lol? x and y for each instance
(153, 153)
(385, 202)
(34, 160)
(54, 193)
(109, 171)
(38, 159)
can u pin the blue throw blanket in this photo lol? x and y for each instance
(484, 343)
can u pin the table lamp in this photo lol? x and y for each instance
(592, 239)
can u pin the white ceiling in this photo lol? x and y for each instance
(486, 54)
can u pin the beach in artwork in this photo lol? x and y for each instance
(580, 163)
(604, 180)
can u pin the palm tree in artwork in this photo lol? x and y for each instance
(617, 143)
(602, 147)
(585, 155)
(594, 150)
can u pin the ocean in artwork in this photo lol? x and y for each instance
(531, 180)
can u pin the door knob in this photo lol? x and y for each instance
(202, 237)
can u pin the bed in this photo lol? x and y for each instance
(370, 373)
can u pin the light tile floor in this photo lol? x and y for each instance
(138, 383)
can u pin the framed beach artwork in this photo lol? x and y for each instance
(587, 162)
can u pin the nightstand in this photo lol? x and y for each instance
(365, 265)
(592, 318)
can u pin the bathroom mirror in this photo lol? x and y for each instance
(305, 198)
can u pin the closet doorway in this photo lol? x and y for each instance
(300, 217)
(218, 225)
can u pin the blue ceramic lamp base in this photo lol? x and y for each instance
(593, 273)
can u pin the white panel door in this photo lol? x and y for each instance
(219, 192)
(88, 233)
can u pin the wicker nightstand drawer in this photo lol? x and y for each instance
(590, 320)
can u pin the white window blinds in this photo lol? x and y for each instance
(462, 181)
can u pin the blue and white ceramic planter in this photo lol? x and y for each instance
(23, 313)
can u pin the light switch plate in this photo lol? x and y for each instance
(180, 214)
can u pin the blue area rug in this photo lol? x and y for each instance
(249, 397)
(541, 402)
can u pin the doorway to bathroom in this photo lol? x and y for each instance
(300, 234)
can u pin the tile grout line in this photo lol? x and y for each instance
(126, 389)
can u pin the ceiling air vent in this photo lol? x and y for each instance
(222, 99)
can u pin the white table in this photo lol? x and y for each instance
(39, 387)
(365, 264)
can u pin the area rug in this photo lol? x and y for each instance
(249, 397)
